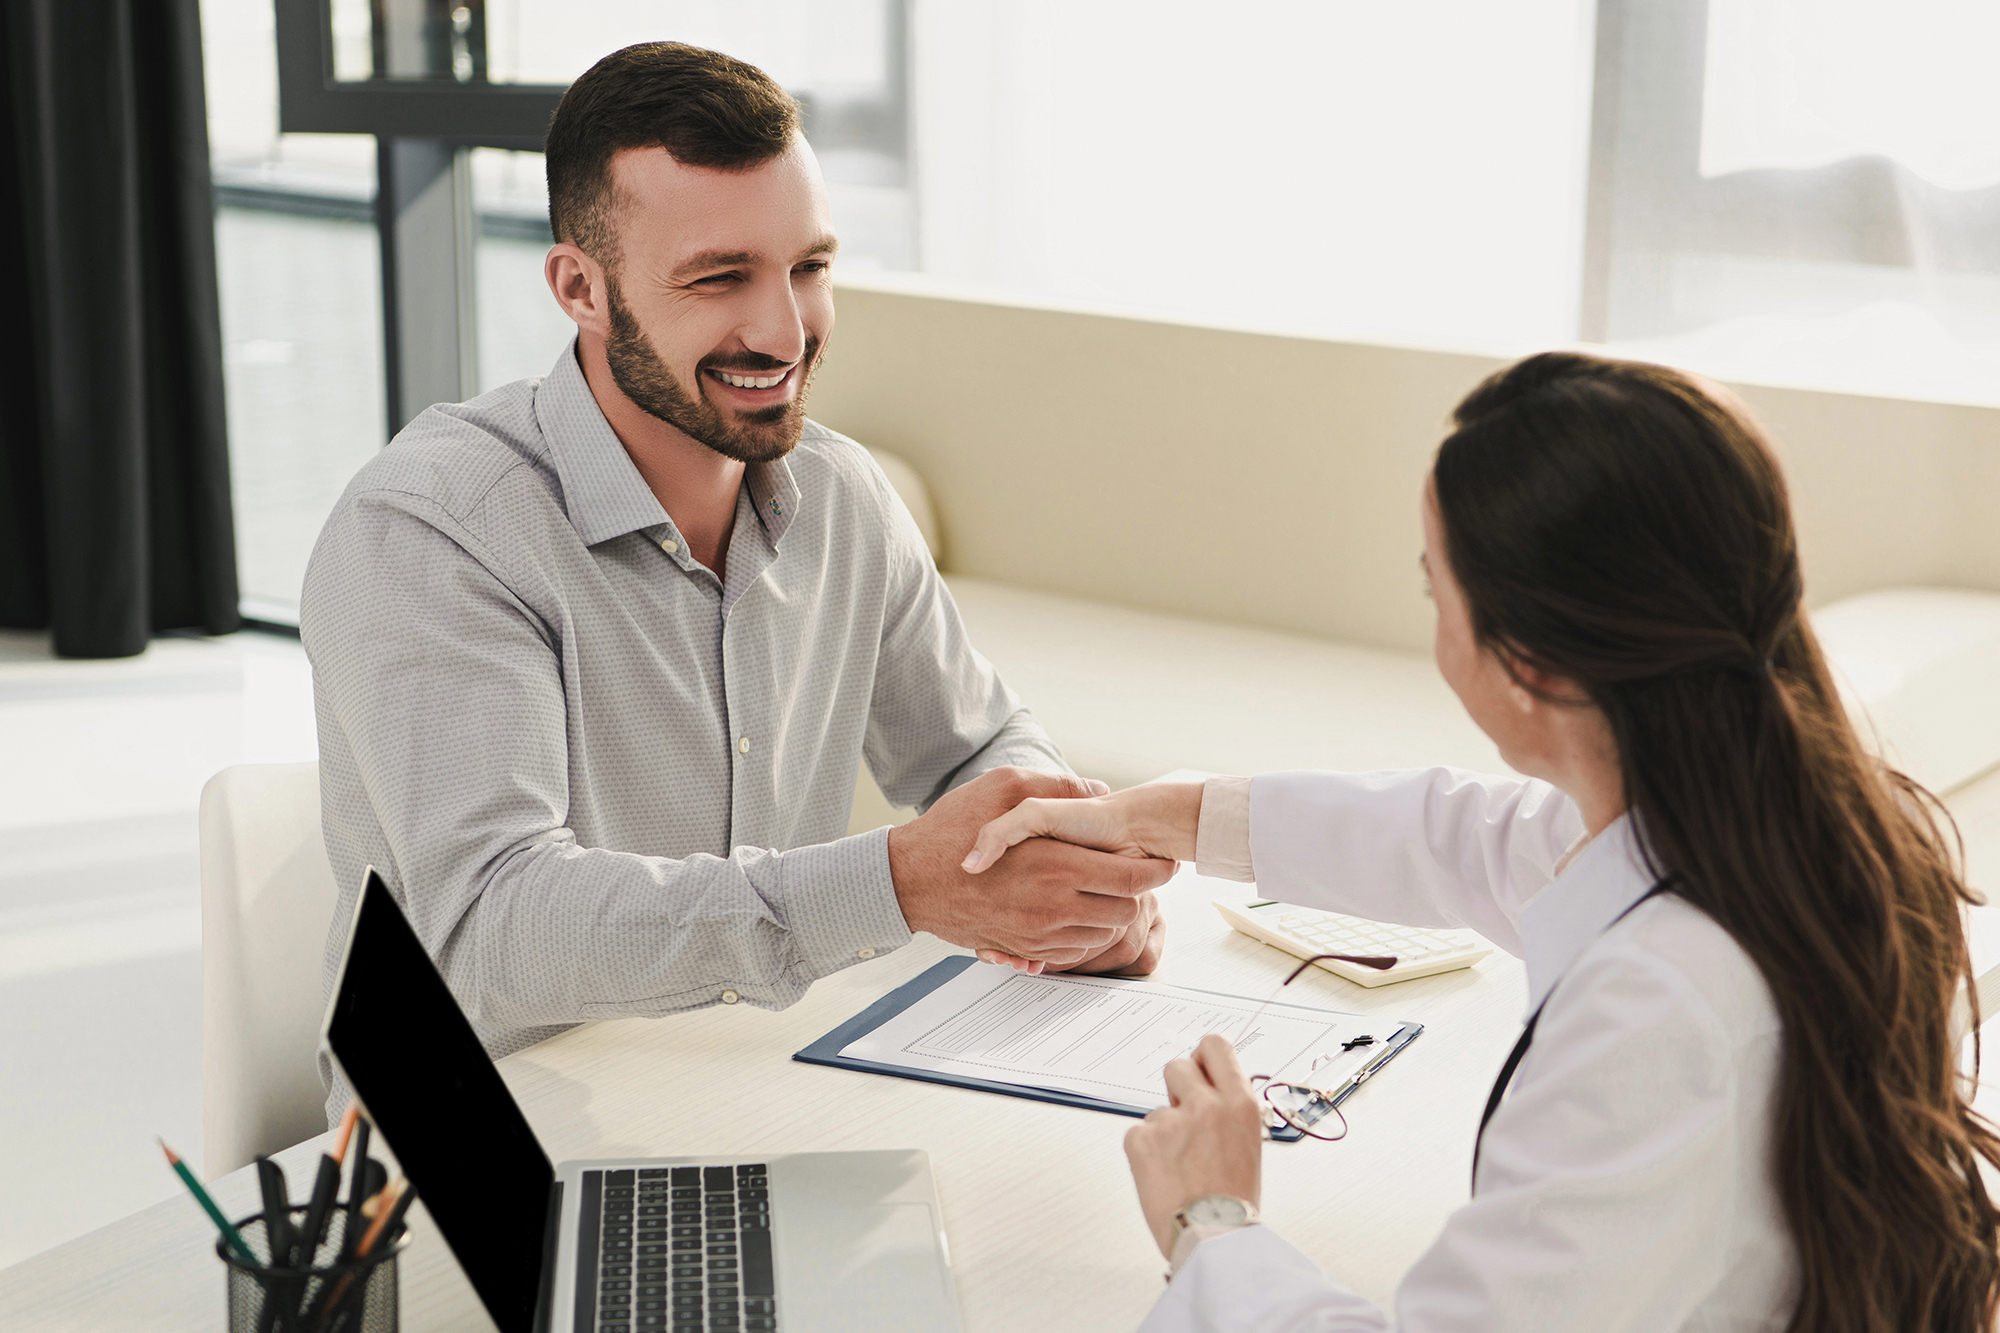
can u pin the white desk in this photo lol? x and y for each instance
(1045, 1231)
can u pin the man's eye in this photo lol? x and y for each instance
(816, 266)
(715, 280)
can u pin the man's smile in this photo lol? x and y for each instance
(753, 389)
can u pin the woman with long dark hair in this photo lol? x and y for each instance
(1738, 1104)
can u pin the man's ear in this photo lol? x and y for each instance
(580, 288)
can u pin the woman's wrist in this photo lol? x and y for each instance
(1163, 817)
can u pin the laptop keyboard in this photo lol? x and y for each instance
(676, 1249)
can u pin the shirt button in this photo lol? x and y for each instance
(865, 953)
(730, 997)
(670, 547)
(743, 746)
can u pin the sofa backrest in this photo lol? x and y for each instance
(1273, 481)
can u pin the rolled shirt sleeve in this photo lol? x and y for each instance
(1222, 831)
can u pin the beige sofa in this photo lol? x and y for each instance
(1195, 547)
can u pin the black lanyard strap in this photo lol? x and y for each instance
(1499, 1093)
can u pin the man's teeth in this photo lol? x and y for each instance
(752, 381)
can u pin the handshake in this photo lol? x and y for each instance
(1043, 870)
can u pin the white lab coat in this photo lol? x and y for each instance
(1624, 1184)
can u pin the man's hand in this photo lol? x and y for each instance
(1133, 954)
(1209, 1140)
(1062, 905)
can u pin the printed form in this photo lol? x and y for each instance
(1104, 1037)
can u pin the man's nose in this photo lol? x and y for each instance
(772, 325)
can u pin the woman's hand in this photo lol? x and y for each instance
(1156, 820)
(1210, 1140)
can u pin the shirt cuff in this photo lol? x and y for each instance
(1193, 1236)
(840, 903)
(1222, 837)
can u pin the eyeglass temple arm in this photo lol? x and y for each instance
(1379, 963)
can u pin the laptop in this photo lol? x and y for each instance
(791, 1242)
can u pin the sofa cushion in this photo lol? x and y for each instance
(1919, 670)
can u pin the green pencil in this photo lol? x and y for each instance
(222, 1224)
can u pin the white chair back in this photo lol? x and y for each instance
(267, 899)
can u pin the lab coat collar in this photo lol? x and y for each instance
(1601, 883)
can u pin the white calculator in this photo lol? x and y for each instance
(1305, 931)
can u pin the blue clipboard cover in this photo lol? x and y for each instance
(827, 1050)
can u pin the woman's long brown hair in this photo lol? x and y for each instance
(1614, 525)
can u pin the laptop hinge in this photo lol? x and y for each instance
(545, 1292)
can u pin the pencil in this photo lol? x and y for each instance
(386, 1207)
(347, 1123)
(389, 1207)
(222, 1224)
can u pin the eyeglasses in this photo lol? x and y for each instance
(1302, 1106)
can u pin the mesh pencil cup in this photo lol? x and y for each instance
(358, 1296)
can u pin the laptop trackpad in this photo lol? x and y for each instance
(854, 1255)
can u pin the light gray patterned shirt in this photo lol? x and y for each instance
(602, 781)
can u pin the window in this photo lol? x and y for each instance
(298, 267)
(1802, 193)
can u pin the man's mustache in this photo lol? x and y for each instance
(757, 363)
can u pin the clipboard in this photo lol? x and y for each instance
(826, 1051)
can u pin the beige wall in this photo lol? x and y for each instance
(1273, 480)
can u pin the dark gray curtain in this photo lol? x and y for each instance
(115, 520)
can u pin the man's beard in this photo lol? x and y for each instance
(758, 437)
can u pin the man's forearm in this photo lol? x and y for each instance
(563, 934)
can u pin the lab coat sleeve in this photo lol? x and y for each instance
(1435, 847)
(1605, 1188)
(1256, 1279)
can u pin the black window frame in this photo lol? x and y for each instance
(474, 115)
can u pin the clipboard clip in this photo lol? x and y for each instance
(1304, 1105)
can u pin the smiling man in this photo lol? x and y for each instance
(596, 656)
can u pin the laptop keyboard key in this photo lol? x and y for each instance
(757, 1276)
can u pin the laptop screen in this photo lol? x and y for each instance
(433, 1093)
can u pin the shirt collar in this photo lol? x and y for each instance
(772, 486)
(1594, 889)
(602, 489)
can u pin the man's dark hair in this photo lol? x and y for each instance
(705, 108)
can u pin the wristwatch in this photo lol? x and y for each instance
(1224, 1212)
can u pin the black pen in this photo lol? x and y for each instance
(325, 1187)
(395, 1222)
(277, 1210)
(280, 1293)
(374, 1178)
